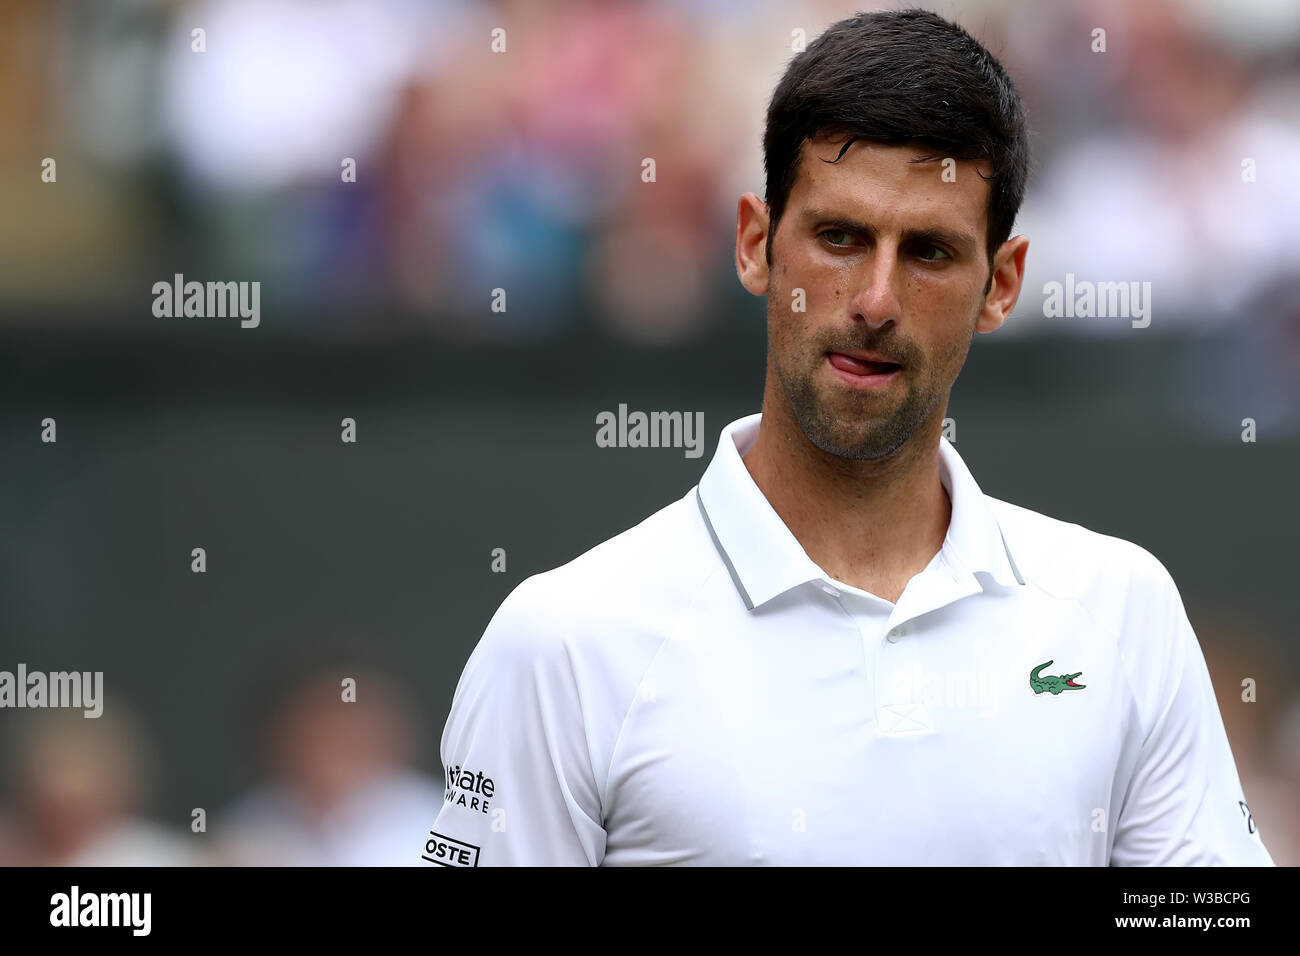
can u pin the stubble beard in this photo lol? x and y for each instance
(857, 427)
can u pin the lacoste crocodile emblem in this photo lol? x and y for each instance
(1051, 683)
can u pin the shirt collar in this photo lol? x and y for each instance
(765, 559)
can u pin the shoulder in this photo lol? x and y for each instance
(621, 593)
(1126, 591)
(1117, 580)
(571, 645)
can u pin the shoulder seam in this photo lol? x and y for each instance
(618, 739)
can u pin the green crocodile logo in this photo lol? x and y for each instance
(1053, 684)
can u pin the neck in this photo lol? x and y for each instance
(870, 524)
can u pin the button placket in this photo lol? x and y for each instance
(901, 708)
(868, 629)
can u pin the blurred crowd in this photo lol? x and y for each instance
(338, 784)
(503, 145)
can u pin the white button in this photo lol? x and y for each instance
(833, 592)
(891, 637)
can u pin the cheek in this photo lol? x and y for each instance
(823, 282)
(950, 312)
(796, 296)
(948, 347)
(937, 294)
(940, 346)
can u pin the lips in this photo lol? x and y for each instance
(864, 371)
(862, 365)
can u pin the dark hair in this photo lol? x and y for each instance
(905, 77)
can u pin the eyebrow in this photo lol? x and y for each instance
(961, 241)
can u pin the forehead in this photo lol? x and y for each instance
(883, 185)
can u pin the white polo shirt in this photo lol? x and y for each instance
(696, 690)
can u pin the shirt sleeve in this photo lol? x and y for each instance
(520, 785)
(1184, 805)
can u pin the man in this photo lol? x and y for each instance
(835, 649)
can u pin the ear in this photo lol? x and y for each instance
(1008, 277)
(751, 243)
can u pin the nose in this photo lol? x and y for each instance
(876, 300)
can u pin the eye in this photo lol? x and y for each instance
(942, 253)
(830, 236)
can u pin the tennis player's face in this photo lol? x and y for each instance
(887, 261)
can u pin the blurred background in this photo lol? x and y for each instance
(1170, 158)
